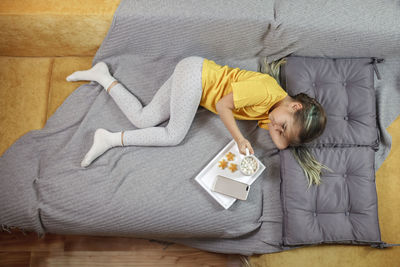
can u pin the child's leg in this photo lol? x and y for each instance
(185, 95)
(154, 113)
(184, 101)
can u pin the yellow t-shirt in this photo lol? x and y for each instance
(254, 93)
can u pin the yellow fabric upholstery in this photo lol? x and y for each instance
(49, 28)
(23, 96)
(43, 41)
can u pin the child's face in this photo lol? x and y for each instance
(282, 127)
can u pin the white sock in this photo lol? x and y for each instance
(103, 140)
(98, 73)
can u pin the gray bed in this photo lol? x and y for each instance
(133, 191)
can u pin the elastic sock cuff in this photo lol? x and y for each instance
(108, 88)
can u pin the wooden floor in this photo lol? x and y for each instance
(19, 249)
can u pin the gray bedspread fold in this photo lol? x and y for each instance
(150, 192)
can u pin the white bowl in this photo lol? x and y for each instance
(249, 164)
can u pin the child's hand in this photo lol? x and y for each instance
(242, 144)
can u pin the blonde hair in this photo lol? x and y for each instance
(311, 120)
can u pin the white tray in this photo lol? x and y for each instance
(207, 176)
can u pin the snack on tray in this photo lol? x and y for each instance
(222, 164)
(233, 167)
(248, 165)
(230, 156)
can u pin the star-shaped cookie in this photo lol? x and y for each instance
(222, 164)
(233, 167)
(230, 156)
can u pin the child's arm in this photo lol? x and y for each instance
(224, 108)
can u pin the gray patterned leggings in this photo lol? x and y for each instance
(178, 99)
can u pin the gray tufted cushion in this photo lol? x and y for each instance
(345, 88)
(343, 209)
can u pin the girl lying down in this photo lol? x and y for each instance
(231, 93)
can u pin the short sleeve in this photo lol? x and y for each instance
(264, 124)
(248, 93)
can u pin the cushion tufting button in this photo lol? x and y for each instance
(344, 175)
(344, 84)
(313, 84)
(315, 214)
(346, 118)
(347, 213)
